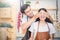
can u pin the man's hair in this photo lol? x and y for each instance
(24, 7)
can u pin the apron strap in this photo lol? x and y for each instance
(48, 27)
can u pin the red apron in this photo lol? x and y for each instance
(42, 36)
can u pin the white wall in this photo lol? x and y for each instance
(59, 10)
(48, 4)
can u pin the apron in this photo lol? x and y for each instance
(43, 35)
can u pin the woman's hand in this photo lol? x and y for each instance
(51, 36)
(50, 39)
(30, 39)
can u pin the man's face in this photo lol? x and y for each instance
(29, 12)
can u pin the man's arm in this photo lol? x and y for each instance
(49, 16)
(27, 24)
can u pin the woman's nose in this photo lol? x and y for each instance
(42, 13)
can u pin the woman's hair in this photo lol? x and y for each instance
(42, 9)
(24, 7)
(47, 19)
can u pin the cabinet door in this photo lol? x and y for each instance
(5, 13)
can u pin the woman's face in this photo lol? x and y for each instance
(42, 15)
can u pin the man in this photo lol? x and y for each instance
(28, 18)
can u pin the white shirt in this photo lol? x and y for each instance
(34, 28)
(24, 19)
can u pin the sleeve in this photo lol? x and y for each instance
(24, 20)
(52, 29)
(31, 29)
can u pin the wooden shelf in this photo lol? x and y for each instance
(46, 8)
(5, 12)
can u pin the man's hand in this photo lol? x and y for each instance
(36, 15)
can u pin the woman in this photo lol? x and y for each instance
(42, 29)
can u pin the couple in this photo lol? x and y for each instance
(40, 25)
